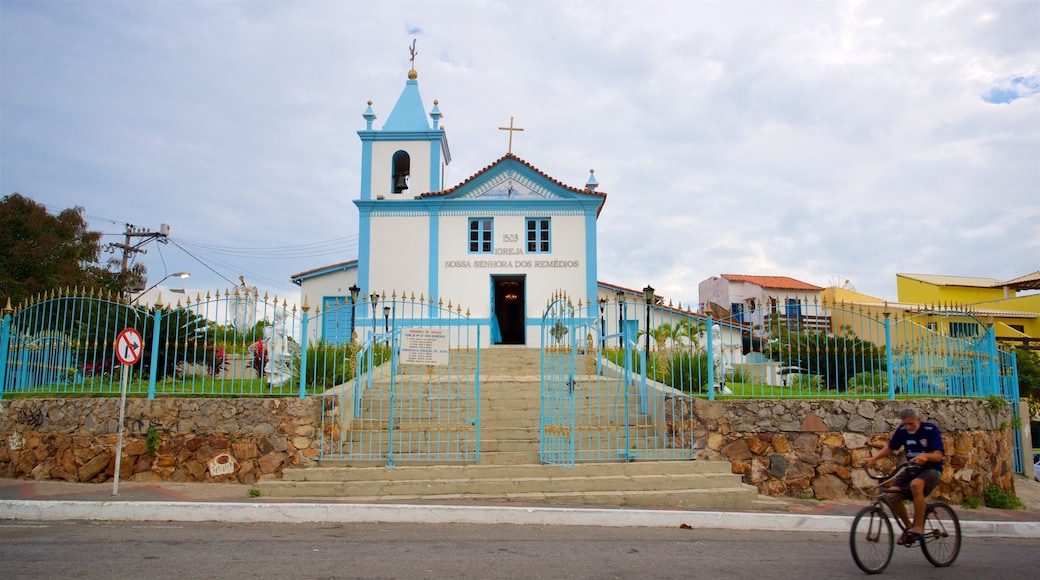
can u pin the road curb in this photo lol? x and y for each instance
(244, 512)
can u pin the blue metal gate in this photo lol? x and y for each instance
(415, 395)
(597, 404)
(557, 420)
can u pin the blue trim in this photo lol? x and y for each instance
(481, 231)
(326, 270)
(401, 135)
(364, 245)
(366, 169)
(538, 231)
(523, 208)
(435, 168)
(433, 267)
(496, 331)
(591, 254)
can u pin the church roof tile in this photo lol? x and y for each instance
(532, 167)
(774, 282)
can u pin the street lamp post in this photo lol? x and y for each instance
(354, 293)
(620, 318)
(648, 295)
(386, 322)
(602, 323)
(375, 302)
(182, 275)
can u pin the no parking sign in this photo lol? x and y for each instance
(128, 346)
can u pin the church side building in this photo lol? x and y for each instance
(497, 245)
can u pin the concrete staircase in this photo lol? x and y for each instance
(509, 468)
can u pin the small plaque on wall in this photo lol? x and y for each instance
(424, 346)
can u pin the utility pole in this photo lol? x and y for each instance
(128, 248)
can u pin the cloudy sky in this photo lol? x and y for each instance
(815, 139)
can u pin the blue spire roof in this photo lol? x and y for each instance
(408, 113)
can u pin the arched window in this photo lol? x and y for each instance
(402, 169)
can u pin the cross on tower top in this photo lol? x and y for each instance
(511, 129)
(412, 50)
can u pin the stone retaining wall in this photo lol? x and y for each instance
(812, 447)
(783, 447)
(193, 439)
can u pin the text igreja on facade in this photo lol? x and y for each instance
(512, 263)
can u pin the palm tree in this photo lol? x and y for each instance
(691, 329)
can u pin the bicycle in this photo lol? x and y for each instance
(871, 538)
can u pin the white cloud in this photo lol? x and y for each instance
(791, 138)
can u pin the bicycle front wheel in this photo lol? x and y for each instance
(871, 540)
(942, 535)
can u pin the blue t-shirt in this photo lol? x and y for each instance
(925, 440)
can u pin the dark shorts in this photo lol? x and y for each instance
(902, 481)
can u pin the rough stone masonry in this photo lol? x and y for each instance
(783, 447)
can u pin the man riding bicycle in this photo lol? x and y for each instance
(925, 455)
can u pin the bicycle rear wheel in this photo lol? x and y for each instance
(942, 535)
(871, 540)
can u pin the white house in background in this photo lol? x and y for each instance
(497, 245)
(751, 299)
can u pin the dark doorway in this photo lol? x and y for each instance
(508, 307)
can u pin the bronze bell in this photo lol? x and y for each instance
(400, 182)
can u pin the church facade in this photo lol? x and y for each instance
(498, 245)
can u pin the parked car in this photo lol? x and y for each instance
(1036, 466)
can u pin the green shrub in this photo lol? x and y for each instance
(998, 498)
(875, 382)
(971, 502)
(809, 382)
(152, 439)
(329, 365)
(688, 372)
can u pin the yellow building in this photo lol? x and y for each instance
(1016, 319)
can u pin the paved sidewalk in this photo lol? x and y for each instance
(57, 500)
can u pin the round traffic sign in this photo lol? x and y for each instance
(129, 346)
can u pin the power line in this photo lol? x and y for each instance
(207, 266)
(325, 248)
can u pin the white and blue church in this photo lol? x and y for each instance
(499, 244)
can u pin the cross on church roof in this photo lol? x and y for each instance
(412, 50)
(510, 128)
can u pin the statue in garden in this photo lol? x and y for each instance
(719, 363)
(278, 350)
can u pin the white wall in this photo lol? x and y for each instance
(465, 278)
(399, 255)
(382, 168)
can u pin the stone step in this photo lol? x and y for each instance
(508, 469)
(735, 498)
(333, 470)
(503, 486)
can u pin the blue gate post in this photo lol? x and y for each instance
(476, 393)
(888, 357)
(303, 351)
(5, 342)
(155, 354)
(711, 361)
(390, 428)
(993, 356)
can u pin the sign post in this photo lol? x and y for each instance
(128, 351)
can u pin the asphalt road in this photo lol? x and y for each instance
(413, 551)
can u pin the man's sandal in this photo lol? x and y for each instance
(909, 538)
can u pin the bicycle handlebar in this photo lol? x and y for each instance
(878, 474)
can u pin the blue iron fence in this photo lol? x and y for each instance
(416, 396)
(661, 356)
(234, 343)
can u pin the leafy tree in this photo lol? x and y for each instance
(836, 358)
(1029, 377)
(43, 252)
